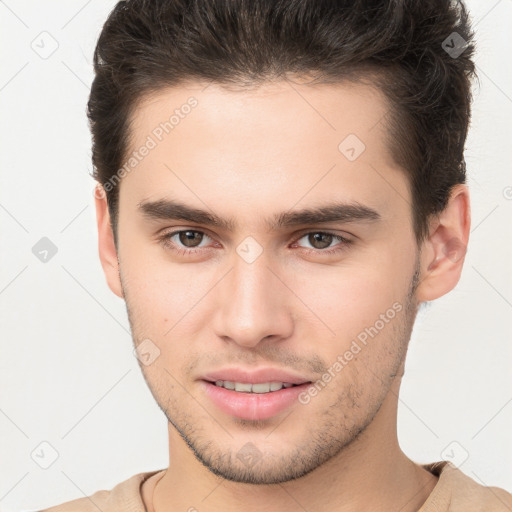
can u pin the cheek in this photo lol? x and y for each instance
(363, 307)
(169, 304)
(348, 298)
(160, 287)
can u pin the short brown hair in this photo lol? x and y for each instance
(418, 52)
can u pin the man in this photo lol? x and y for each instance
(281, 185)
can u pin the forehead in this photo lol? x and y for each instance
(280, 143)
(303, 110)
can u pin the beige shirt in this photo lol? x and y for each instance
(454, 492)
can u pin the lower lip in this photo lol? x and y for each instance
(253, 406)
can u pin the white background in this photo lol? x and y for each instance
(67, 373)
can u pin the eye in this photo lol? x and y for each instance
(188, 241)
(321, 242)
(190, 238)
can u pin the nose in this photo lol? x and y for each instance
(254, 304)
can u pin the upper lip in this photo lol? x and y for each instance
(255, 376)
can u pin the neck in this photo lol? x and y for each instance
(371, 473)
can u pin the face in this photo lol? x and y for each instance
(328, 299)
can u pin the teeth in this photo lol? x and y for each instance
(264, 387)
(246, 388)
(261, 388)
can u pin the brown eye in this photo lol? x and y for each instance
(320, 240)
(190, 238)
(185, 241)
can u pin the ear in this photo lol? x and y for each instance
(106, 246)
(444, 250)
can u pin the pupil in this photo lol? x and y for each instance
(187, 238)
(318, 236)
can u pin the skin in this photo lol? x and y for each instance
(251, 154)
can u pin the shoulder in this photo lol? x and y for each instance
(125, 496)
(458, 492)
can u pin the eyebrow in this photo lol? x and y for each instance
(170, 209)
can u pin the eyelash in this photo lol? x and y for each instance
(344, 242)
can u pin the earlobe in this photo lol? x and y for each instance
(106, 246)
(444, 250)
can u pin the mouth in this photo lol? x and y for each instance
(253, 401)
(258, 388)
